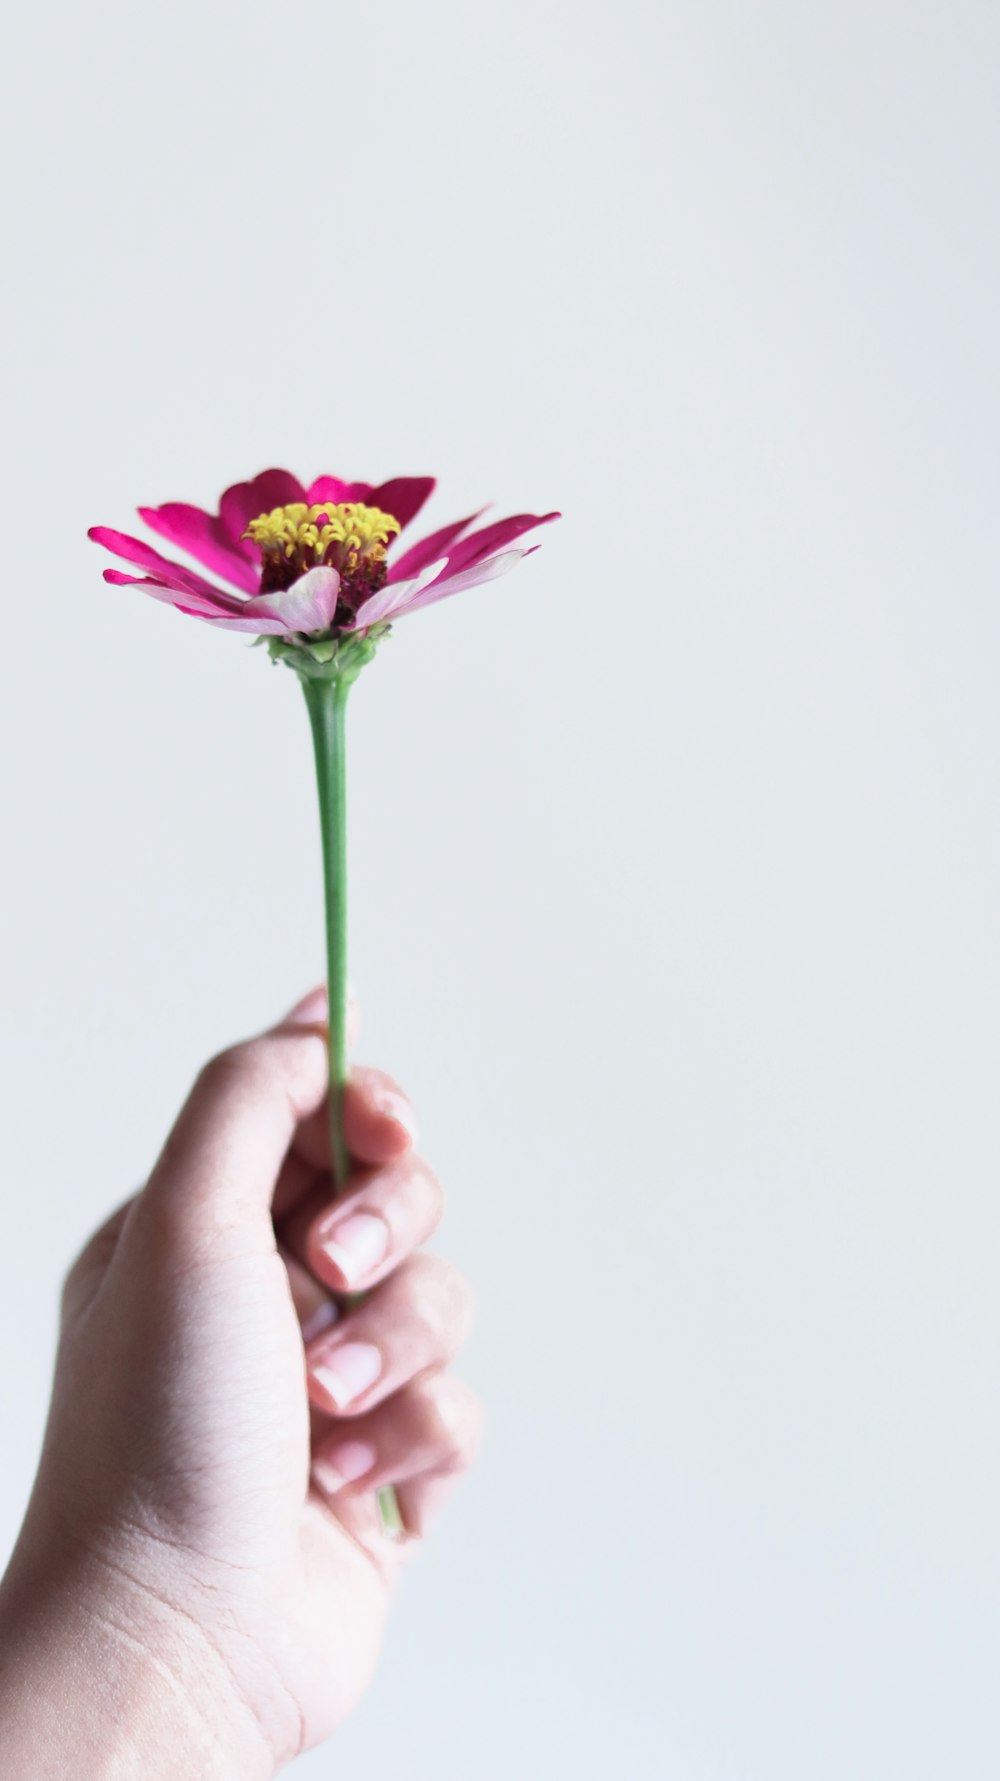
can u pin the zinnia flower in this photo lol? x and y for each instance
(311, 570)
(313, 562)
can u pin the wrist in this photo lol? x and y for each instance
(100, 1680)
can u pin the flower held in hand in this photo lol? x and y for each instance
(316, 570)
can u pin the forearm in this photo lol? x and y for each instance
(98, 1683)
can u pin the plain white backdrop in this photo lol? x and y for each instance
(675, 856)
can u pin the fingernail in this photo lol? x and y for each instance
(345, 1372)
(397, 1107)
(356, 1245)
(345, 1465)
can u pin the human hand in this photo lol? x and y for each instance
(204, 1527)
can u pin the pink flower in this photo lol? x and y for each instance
(312, 560)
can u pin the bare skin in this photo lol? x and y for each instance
(201, 1583)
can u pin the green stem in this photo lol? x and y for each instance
(326, 701)
(327, 705)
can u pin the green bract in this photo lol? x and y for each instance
(337, 657)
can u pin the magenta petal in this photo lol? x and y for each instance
(133, 550)
(308, 605)
(248, 500)
(331, 488)
(429, 549)
(204, 537)
(492, 538)
(403, 497)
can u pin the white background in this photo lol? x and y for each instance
(675, 856)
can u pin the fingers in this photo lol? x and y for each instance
(421, 1501)
(313, 1008)
(358, 1239)
(379, 1126)
(232, 1135)
(314, 1308)
(415, 1321)
(310, 1007)
(427, 1434)
(378, 1122)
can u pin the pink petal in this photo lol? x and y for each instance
(331, 488)
(472, 577)
(493, 538)
(429, 549)
(258, 627)
(247, 500)
(393, 597)
(403, 497)
(217, 539)
(185, 601)
(162, 590)
(205, 538)
(169, 573)
(416, 595)
(308, 605)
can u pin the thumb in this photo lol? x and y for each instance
(221, 1160)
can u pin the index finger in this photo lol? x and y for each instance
(379, 1122)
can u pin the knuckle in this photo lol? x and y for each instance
(382, 1092)
(99, 1247)
(71, 1280)
(456, 1421)
(283, 1063)
(380, 1084)
(238, 1063)
(429, 1187)
(268, 1065)
(441, 1296)
(90, 1263)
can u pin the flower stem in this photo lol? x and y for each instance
(327, 704)
(326, 701)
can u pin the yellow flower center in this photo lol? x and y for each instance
(347, 536)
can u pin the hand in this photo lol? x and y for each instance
(204, 1522)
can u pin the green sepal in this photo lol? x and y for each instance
(339, 656)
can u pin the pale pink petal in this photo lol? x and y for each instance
(493, 538)
(228, 615)
(403, 497)
(422, 593)
(392, 598)
(134, 550)
(171, 593)
(428, 549)
(443, 588)
(333, 489)
(257, 627)
(382, 605)
(206, 539)
(308, 605)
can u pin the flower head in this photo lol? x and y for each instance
(346, 536)
(312, 567)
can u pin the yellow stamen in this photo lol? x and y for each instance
(339, 534)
